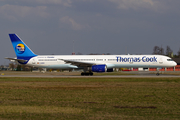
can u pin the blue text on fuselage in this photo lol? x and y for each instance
(136, 59)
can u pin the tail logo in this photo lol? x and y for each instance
(20, 48)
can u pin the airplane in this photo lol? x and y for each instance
(89, 63)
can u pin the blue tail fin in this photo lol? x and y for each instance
(21, 49)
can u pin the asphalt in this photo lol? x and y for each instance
(77, 75)
(105, 76)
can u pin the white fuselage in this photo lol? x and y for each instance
(89, 63)
(111, 61)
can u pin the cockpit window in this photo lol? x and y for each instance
(169, 60)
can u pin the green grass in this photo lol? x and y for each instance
(90, 98)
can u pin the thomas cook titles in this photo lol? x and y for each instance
(136, 59)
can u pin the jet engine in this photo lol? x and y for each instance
(101, 68)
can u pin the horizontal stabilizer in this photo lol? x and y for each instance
(19, 60)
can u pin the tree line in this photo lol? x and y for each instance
(157, 50)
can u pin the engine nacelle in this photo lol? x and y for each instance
(99, 68)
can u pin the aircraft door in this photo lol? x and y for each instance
(161, 60)
(34, 61)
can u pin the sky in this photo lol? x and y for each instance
(90, 26)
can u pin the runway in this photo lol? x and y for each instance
(77, 75)
(105, 76)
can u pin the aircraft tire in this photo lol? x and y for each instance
(91, 74)
(87, 74)
(157, 74)
(82, 74)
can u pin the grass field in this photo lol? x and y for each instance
(90, 98)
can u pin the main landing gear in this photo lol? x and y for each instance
(86, 73)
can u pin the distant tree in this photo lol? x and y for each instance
(99, 54)
(1, 67)
(169, 52)
(18, 67)
(23, 67)
(178, 53)
(94, 54)
(11, 66)
(107, 53)
(79, 53)
(161, 51)
(158, 50)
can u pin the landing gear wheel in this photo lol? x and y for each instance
(91, 74)
(86, 73)
(157, 74)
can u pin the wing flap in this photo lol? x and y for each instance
(78, 63)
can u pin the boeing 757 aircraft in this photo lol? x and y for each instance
(89, 63)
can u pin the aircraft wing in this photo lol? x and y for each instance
(78, 63)
(19, 60)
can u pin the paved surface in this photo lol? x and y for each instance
(77, 75)
(105, 76)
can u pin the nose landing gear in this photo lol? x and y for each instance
(157, 74)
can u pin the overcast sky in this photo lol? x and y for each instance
(95, 26)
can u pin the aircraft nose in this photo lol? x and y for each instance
(174, 63)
